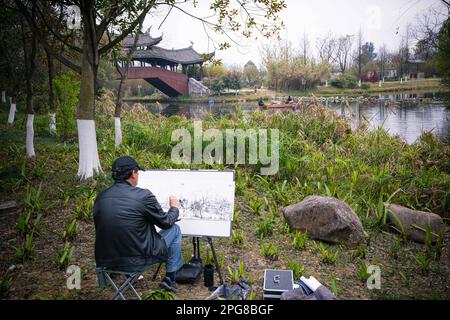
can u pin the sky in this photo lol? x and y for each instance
(381, 22)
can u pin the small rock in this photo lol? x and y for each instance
(327, 219)
(411, 218)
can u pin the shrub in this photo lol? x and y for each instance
(344, 81)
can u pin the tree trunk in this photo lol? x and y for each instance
(30, 117)
(30, 67)
(3, 96)
(51, 99)
(89, 162)
(117, 131)
(118, 110)
(12, 109)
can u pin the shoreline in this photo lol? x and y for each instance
(270, 95)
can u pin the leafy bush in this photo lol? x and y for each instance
(344, 81)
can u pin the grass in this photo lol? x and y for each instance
(299, 241)
(319, 155)
(270, 251)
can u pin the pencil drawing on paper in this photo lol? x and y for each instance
(206, 209)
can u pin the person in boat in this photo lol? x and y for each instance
(289, 100)
(261, 102)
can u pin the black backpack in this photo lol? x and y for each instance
(190, 272)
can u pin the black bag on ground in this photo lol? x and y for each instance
(190, 272)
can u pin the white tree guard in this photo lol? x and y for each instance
(117, 131)
(3, 96)
(30, 136)
(89, 162)
(12, 113)
(52, 126)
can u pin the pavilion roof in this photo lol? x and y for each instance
(179, 56)
(143, 40)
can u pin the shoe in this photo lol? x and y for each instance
(168, 285)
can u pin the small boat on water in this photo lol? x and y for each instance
(278, 105)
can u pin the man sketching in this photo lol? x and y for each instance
(125, 217)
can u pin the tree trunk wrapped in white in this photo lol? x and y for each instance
(30, 136)
(3, 96)
(12, 112)
(87, 141)
(118, 131)
(52, 127)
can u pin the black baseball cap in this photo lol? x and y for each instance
(123, 165)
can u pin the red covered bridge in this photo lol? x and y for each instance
(169, 82)
(160, 66)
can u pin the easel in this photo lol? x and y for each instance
(196, 246)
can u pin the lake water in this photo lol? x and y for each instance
(405, 118)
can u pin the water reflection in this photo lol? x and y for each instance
(405, 117)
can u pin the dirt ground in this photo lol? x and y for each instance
(401, 278)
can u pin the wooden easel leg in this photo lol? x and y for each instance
(215, 259)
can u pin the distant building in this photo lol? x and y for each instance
(415, 69)
(389, 74)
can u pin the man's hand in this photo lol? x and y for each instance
(173, 202)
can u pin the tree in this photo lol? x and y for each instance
(11, 53)
(29, 53)
(343, 48)
(443, 54)
(123, 16)
(359, 54)
(250, 74)
(383, 57)
(326, 48)
(287, 70)
(304, 47)
(368, 53)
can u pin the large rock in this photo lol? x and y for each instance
(414, 222)
(327, 219)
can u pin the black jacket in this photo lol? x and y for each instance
(125, 217)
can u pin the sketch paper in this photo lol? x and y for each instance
(206, 198)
